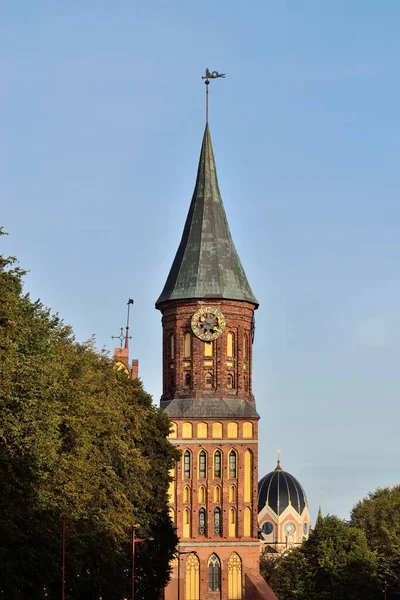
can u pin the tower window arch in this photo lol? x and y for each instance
(217, 494)
(202, 464)
(173, 430)
(232, 522)
(172, 346)
(232, 493)
(209, 380)
(202, 494)
(217, 521)
(188, 380)
(201, 430)
(202, 521)
(208, 348)
(192, 579)
(187, 345)
(214, 573)
(187, 431)
(217, 463)
(232, 464)
(234, 577)
(229, 381)
(186, 493)
(229, 345)
(187, 464)
(186, 523)
(217, 430)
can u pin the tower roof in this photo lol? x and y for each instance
(206, 264)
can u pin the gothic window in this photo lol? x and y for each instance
(202, 494)
(172, 346)
(248, 430)
(209, 380)
(247, 522)
(229, 345)
(187, 345)
(217, 521)
(186, 523)
(217, 494)
(248, 467)
(232, 522)
(202, 464)
(188, 380)
(229, 381)
(202, 430)
(173, 430)
(232, 494)
(245, 347)
(186, 493)
(232, 465)
(217, 430)
(202, 521)
(171, 487)
(208, 348)
(217, 463)
(187, 431)
(214, 574)
(187, 464)
(192, 579)
(232, 430)
(234, 577)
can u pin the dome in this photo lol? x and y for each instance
(278, 489)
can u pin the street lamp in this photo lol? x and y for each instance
(135, 540)
(65, 521)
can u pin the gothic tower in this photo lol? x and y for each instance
(207, 311)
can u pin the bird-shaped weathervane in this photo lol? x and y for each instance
(210, 75)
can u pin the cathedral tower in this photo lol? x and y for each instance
(207, 309)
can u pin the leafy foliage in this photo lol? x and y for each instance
(378, 516)
(335, 563)
(78, 439)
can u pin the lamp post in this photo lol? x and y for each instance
(136, 540)
(385, 587)
(65, 521)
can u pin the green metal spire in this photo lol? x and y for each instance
(206, 264)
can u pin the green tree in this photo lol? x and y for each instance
(77, 438)
(378, 516)
(335, 563)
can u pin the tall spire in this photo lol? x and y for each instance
(207, 264)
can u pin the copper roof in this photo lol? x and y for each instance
(206, 264)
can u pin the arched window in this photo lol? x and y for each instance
(171, 488)
(209, 380)
(188, 379)
(172, 346)
(217, 494)
(232, 464)
(173, 430)
(202, 430)
(214, 574)
(217, 521)
(186, 493)
(232, 430)
(186, 523)
(202, 464)
(192, 579)
(208, 348)
(248, 467)
(187, 431)
(245, 347)
(232, 494)
(234, 577)
(217, 463)
(229, 381)
(247, 522)
(229, 345)
(187, 464)
(202, 521)
(248, 430)
(232, 522)
(202, 494)
(217, 430)
(187, 345)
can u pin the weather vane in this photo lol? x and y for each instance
(124, 336)
(210, 75)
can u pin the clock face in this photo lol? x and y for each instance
(267, 528)
(289, 528)
(208, 323)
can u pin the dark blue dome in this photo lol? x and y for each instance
(278, 489)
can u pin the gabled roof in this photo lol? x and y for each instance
(206, 264)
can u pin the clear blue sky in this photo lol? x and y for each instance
(101, 120)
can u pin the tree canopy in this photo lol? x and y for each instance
(78, 439)
(378, 515)
(335, 563)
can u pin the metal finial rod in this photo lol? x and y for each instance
(210, 75)
(207, 84)
(127, 338)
